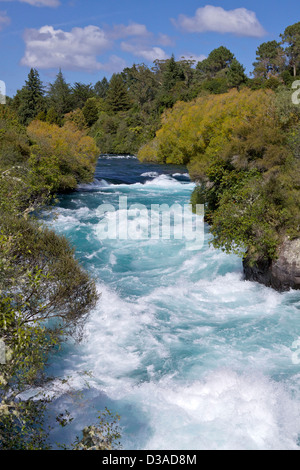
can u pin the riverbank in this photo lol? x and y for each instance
(240, 149)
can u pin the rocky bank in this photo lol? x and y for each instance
(282, 273)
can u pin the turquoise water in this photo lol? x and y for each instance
(187, 352)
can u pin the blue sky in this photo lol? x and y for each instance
(90, 39)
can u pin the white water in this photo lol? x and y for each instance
(187, 352)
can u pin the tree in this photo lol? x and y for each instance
(270, 60)
(117, 95)
(187, 66)
(291, 37)
(236, 74)
(172, 74)
(101, 88)
(77, 118)
(141, 83)
(81, 93)
(218, 60)
(61, 157)
(241, 150)
(31, 98)
(90, 111)
(14, 142)
(52, 117)
(60, 95)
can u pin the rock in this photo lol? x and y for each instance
(281, 274)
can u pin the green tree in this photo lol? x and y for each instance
(173, 73)
(52, 117)
(101, 88)
(90, 111)
(270, 60)
(14, 142)
(141, 84)
(236, 74)
(117, 95)
(81, 93)
(60, 96)
(218, 60)
(291, 37)
(77, 118)
(31, 98)
(39, 279)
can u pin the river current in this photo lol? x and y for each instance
(188, 353)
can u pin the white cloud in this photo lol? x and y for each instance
(114, 65)
(133, 29)
(4, 20)
(38, 3)
(80, 48)
(75, 50)
(240, 21)
(148, 53)
(165, 40)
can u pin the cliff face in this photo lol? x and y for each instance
(281, 274)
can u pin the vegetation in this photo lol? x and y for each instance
(45, 295)
(125, 112)
(240, 142)
(241, 148)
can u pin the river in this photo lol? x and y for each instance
(188, 353)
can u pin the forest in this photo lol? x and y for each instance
(239, 137)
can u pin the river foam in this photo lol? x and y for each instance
(190, 354)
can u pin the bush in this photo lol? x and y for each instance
(61, 156)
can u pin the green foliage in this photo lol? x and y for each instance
(81, 93)
(29, 291)
(242, 148)
(236, 74)
(101, 88)
(117, 96)
(105, 436)
(14, 142)
(77, 119)
(90, 111)
(60, 96)
(44, 292)
(61, 157)
(40, 284)
(172, 74)
(270, 59)
(31, 98)
(218, 60)
(52, 117)
(215, 86)
(123, 132)
(291, 37)
(240, 138)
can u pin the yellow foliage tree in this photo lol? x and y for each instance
(212, 126)
(240, 152)
(62, 156)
